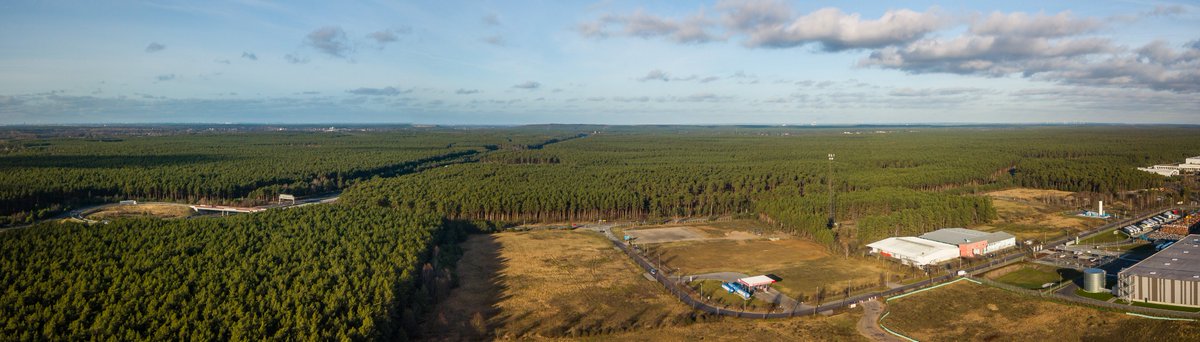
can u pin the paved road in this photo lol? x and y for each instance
(81, 212)
(868, 325)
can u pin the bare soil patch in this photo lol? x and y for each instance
(1022, 213)
(660, 235)
(1030, 194)
(160, 210)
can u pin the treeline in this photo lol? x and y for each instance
(878, 213)
(328, 272)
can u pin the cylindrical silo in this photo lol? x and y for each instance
(1093, 280)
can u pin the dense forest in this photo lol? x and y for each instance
(39, 177)
(317, 272)
(366, 268)
(903, 181)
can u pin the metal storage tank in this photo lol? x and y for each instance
(1093, 280)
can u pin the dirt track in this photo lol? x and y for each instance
(868, 325)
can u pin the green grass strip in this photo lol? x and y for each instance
(885, 328)
(932, 287)
(1148, 316)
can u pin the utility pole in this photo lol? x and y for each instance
(832, 213)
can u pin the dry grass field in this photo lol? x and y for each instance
(839, 327)
(575, 283)
(966, 311)
(722, 230)
(1023, 213)
(567, 285)
(803, 265)
(159, 210)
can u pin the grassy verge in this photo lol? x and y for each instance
(1166, 307)
(1105, 237)
(1105, 296)
(719, 296)
(966, 311)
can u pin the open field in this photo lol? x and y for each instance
(1023, 213)
(1030, 275)
(160, 210)
(804, 265)
(528, 285)
(573, 283)
(1027, 194)
(966, 311)
(839, 327)
(727, 230)
(1105, 237)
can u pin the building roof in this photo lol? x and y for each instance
(910, 246)
(955, 236)
(758, 280)
(998, 236)
(1180, 261)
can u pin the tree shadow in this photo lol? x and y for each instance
(470, 310)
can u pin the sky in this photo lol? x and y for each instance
(599, 62)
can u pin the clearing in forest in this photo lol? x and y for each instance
(557, 283)
(723, 230)
(966, 311)
(1026, 214)
(803, 265)
(160, 210)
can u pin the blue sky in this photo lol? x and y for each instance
(608, 62)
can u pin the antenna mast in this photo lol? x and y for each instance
(832, 210)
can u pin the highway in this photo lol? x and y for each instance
(80, 213)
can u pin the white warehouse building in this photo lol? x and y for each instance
(914, 251)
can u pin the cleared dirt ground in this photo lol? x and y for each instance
(725, 230)
(1022, 213)
(966, 311)
(659, 235)
(160, 210)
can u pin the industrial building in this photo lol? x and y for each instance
(1171, 276)
(972, 243)
(1164, 170)
(1189, 165)
(914, 251)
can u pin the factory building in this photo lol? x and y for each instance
(972, 243)
(1171, 276)
(914, 251)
